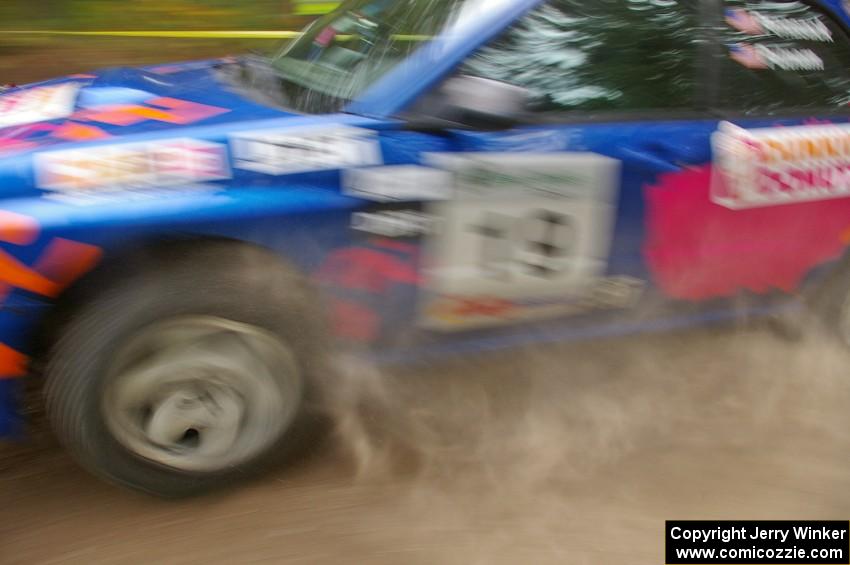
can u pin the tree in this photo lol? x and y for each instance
(574, 54)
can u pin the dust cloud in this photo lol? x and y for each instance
(523, 455)
(571, 454)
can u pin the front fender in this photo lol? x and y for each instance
(46, 245)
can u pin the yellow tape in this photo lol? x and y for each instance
(315, 8)
(178, 34)
(195, 34)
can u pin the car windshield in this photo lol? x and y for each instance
(341, 54)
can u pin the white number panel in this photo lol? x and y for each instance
(519, 229)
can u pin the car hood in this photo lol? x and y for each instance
(121, 102)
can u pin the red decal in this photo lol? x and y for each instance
(65, 261)
(358, 277)
(698, 250)
(366, 269)
(13, 364)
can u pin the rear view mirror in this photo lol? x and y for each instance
(469, 102)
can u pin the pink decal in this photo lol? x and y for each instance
(163, 109)
(22, 138)
(186, 112)
(744, 21)
(747, 55)
(167, 69)
(697, 250)
(325, 37)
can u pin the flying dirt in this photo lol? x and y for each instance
(567, 454)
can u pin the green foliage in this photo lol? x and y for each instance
(26, 58)
(148, 14)
(604, 54)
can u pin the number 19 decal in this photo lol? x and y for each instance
(539, 241)
(529, 226)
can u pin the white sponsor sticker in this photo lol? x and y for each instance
(37, 104)
(394, 223)
(812, 29)
(398, 183)
(755, 23)
(788, 59)
(111, 169)
(522, 225)
(773, 166)
(286, 152)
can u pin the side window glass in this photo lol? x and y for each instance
(780, 55)
(579, 55)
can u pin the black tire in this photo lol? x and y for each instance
(230, 281)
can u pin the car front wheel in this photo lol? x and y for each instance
(189, 374)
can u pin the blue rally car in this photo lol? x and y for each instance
(182, 246)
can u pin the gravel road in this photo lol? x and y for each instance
(571, 454)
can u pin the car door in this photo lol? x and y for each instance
(619, 193)
(573, 212)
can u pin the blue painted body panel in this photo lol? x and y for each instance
(304, 215)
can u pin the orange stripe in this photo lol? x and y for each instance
(19, 275)
(13, 364)
(61, 263)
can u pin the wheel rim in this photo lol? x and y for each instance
(201, 393)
